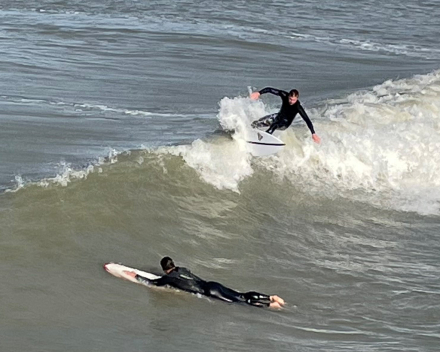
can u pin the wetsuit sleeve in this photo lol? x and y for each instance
(303, 114)
(274, 91)
(162, 281)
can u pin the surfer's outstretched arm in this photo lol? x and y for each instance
(274, 91)
(162, 281)
(219, 291)
(304, 116)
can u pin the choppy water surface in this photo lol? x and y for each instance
(110, 114)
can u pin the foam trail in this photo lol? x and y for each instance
(236, 114)
(224, 164)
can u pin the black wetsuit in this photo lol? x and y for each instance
(185, 280)
(285, 116)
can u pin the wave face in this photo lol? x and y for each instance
(382, 142)
(113, 148)
(379, 146)
(351, 266)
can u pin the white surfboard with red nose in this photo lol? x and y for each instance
(120, 271)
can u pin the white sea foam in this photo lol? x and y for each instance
(224, 165)
(381, 145)
(67, 173)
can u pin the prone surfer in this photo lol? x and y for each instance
(284, 118)
(183, 279)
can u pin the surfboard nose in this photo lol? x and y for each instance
(105, 266)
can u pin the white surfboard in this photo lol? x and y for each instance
(260, 143)
(118, 271)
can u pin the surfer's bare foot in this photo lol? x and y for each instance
(277, 299)
(275, 305)
(130, 273)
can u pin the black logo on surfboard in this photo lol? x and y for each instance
(260, 137)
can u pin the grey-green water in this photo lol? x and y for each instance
(110, 151)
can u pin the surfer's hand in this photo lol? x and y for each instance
(130, 273)
(255, 95)
(316, 138)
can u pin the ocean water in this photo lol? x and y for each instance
(112, 149)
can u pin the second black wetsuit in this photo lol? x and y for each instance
(185, 280)
(285, 116)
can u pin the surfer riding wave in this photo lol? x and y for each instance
(284, 118)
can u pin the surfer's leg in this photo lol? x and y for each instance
(217, 290)
(264, 121)
(261, 300)
(278, 124)
(273, 127)
(257, 299)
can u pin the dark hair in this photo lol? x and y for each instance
(167, 263)
(293, 92)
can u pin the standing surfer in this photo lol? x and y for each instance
(284, 118)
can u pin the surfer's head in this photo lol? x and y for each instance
(293, 96)
(167, 264)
